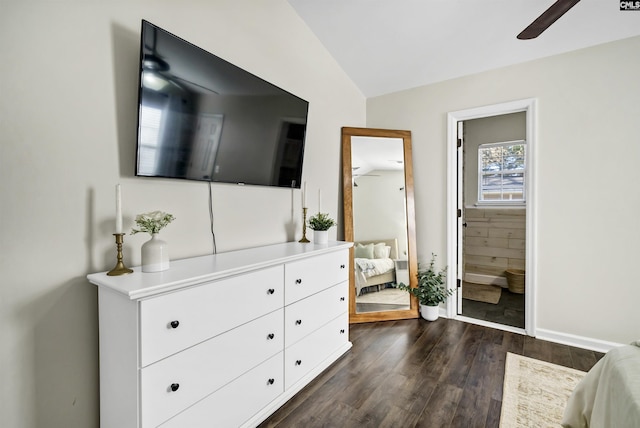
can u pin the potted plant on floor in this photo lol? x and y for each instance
(320, 224)
(431, 290)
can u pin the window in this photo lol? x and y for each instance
(150, 119)
(501, 172)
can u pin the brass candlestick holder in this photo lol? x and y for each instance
(304, 226)
(120, 268)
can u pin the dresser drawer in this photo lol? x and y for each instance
(306, 354)
(307, 315)
(198, 371)
(175, 321)
(306, 277)
(238, 401)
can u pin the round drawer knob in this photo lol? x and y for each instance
(298, 281)
(270, 381)
(174, 387)
(271, 291)
(342, 266)
(270, 336)
(342, 299)
(174, 324)
(298, 322)
(342, 331)
(298, 362)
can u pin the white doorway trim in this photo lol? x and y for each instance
(529, 107)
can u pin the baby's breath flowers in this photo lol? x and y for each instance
(152, 222)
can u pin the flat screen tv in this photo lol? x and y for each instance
(202, 118)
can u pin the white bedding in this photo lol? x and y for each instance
(372, 267)
(366, 268)
(609, 395)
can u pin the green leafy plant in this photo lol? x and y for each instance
(431, 289)
(152, 222)
(321, 221)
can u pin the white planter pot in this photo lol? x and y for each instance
(430, 313)
(320, 236)
(155, 255)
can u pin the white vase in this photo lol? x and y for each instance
(155, 255)
(430, 313)
(320, 236)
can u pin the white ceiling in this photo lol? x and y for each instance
(376, 153)
(390, 45)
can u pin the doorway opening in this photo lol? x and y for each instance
(491, 237)
(493, 218)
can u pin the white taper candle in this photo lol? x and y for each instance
(304, 195)
(319, 200)
(118, 209)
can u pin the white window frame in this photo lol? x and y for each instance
(523, 171)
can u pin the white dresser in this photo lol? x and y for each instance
(221, 340)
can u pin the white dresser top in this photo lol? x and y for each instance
(196, 270)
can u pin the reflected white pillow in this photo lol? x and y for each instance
(381, 251)
(364, 251)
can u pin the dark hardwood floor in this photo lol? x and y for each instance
(508, 311)
(416, 373)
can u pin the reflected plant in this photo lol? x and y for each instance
(431, 289)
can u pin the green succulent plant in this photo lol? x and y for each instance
(321, 221)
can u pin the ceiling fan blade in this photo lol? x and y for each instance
(547, 18)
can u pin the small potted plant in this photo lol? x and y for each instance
(431, 290)
(320, 224)
(154, 252)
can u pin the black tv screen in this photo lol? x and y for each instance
(202, 118)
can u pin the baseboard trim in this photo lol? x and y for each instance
(548, 335)
(577, 341)
(478, 278)
(490, 324)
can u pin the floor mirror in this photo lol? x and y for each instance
(379, 218)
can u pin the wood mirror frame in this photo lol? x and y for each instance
(347, 134)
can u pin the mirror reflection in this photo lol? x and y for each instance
(379, 217)
(379, 223)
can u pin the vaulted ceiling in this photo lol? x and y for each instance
(390, 45)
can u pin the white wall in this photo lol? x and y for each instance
(588, 148)
(67, 132)
(379, 208)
